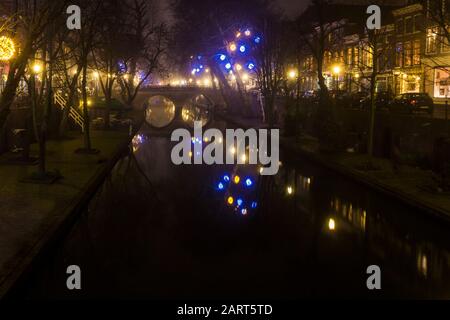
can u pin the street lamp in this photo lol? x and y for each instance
(37, 68)
(292, 74)
(331, 224)
(337, 71)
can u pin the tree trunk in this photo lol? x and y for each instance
(87, 134)
(9, 92)
(108, 100)
(373, 79)
(372, 118)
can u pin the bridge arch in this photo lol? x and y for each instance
(164, 106)
(197, 108)
(160, 111)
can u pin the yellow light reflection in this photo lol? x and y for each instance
(331, 224)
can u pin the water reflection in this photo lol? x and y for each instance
(160, 111)
(354, 215)
(137, 142)
(400, 240)
(161, 230)
(197, 109)
(422, 263)
(239, 192)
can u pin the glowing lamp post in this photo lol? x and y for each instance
(37, 68)
(292, 74)
(337, 72)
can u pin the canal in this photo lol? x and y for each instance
(155, 230)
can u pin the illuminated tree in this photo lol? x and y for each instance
(28, 31)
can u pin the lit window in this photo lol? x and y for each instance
(431, 40)
(416, 53)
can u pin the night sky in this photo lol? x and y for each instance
(293, 7)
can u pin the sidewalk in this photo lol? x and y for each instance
(31, 214)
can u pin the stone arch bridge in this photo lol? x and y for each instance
(167, 106)
(178, 95)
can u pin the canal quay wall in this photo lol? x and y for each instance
(34, 218)
(407, 184)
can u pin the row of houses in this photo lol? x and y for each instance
(413, 53)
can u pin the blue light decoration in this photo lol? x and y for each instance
(122, 66)
(222, 57)
(201, 66)
(248, 182)
(226, 178)
(196, 140)
(228, 66)
(220, 186)
(251, 66)
(244, 211)
(257, 40)
(239, 202)
(242, 48)
(254, 204)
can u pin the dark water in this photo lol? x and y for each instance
(156, 230)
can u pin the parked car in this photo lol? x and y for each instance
(357, 99)
(383, 100)
(412, 102)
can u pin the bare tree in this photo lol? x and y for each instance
(270, 59)
(149, 39)
(85, 43)
(377, 52)
(29, 30)
(319, 34)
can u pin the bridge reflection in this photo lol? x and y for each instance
(161, 111)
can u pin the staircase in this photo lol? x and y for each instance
(60, 94)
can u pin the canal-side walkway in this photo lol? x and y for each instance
(32, 215)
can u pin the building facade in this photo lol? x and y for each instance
(409, 49)
(413, 55)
